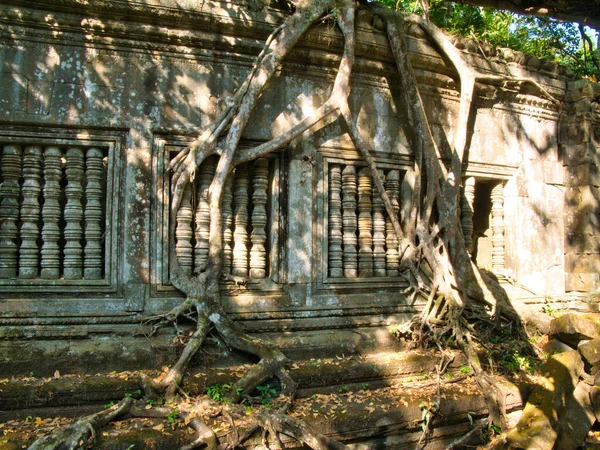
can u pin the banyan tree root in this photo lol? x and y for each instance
(81, 433)
(431, 242)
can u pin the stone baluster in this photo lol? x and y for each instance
(29, 252)
(392, 187)
(184, 232)
(379, 255)
(9, 210)
(466, 211)
(240, 220)
(206, 173)
(227, 211)
(51, 212)
(497, 198)
(365, 224)
(336, 268)
(349, 221)
(92, 256)
(73, 261)
(258, 237)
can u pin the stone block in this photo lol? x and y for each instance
(553, 172)
(581, 262)
(595, 399)
(582, 89)
(554, 346)
(576, 418)
(581, 282)
(576, 154)
(583, 174)
(574, 133)
(573, 328)
(581, 221)
(590, 352)
(539, 424)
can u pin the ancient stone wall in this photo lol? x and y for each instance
(95, 99)
(580, 145)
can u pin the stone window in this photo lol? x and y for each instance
(58, 211)
(357, 238)
(252, 219)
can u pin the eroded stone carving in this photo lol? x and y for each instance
(336, 268)
(73, 233)
(466, 211)
(92, 262)
(51, 212)
(497, 198)
(29, 251)
(9, 210)
(240, 233)
(258, 237)
(349, 221)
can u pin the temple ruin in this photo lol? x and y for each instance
(96, 98)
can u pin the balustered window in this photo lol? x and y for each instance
(251, 212)
(55, 212)
(359, 242)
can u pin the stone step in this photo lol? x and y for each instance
(389, 417)
(32, 396)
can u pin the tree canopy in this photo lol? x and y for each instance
(569, 43)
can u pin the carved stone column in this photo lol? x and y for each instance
(466, 211)
(184, 232)
(258, 237)
(335, 222)
(73, 262)
(392, 261)
(205, 175)
(51, 213)
(497, 198)
(29, 253)
(227, 211)
(240, 219)
(349, 221)
(379, 255)
(365, 224)
(92, 262)
(9, 210)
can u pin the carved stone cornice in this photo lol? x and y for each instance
(236, 33)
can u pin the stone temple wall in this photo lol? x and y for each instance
(97, 97)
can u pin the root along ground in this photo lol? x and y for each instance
(432, 248)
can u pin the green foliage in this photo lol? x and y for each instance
(364, 386)
(514, 362)
(565, 43)
(465, 369)
(495, 429)
(267, 393)
(109, 405)
(343, 389)
(218, 392)
(151, 402)
(552, 309)
(173, 415)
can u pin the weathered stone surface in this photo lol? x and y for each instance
(576, 418)
(555, 346)
(573, 328)
(595, 400)
(539, 426)
(590, 352)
